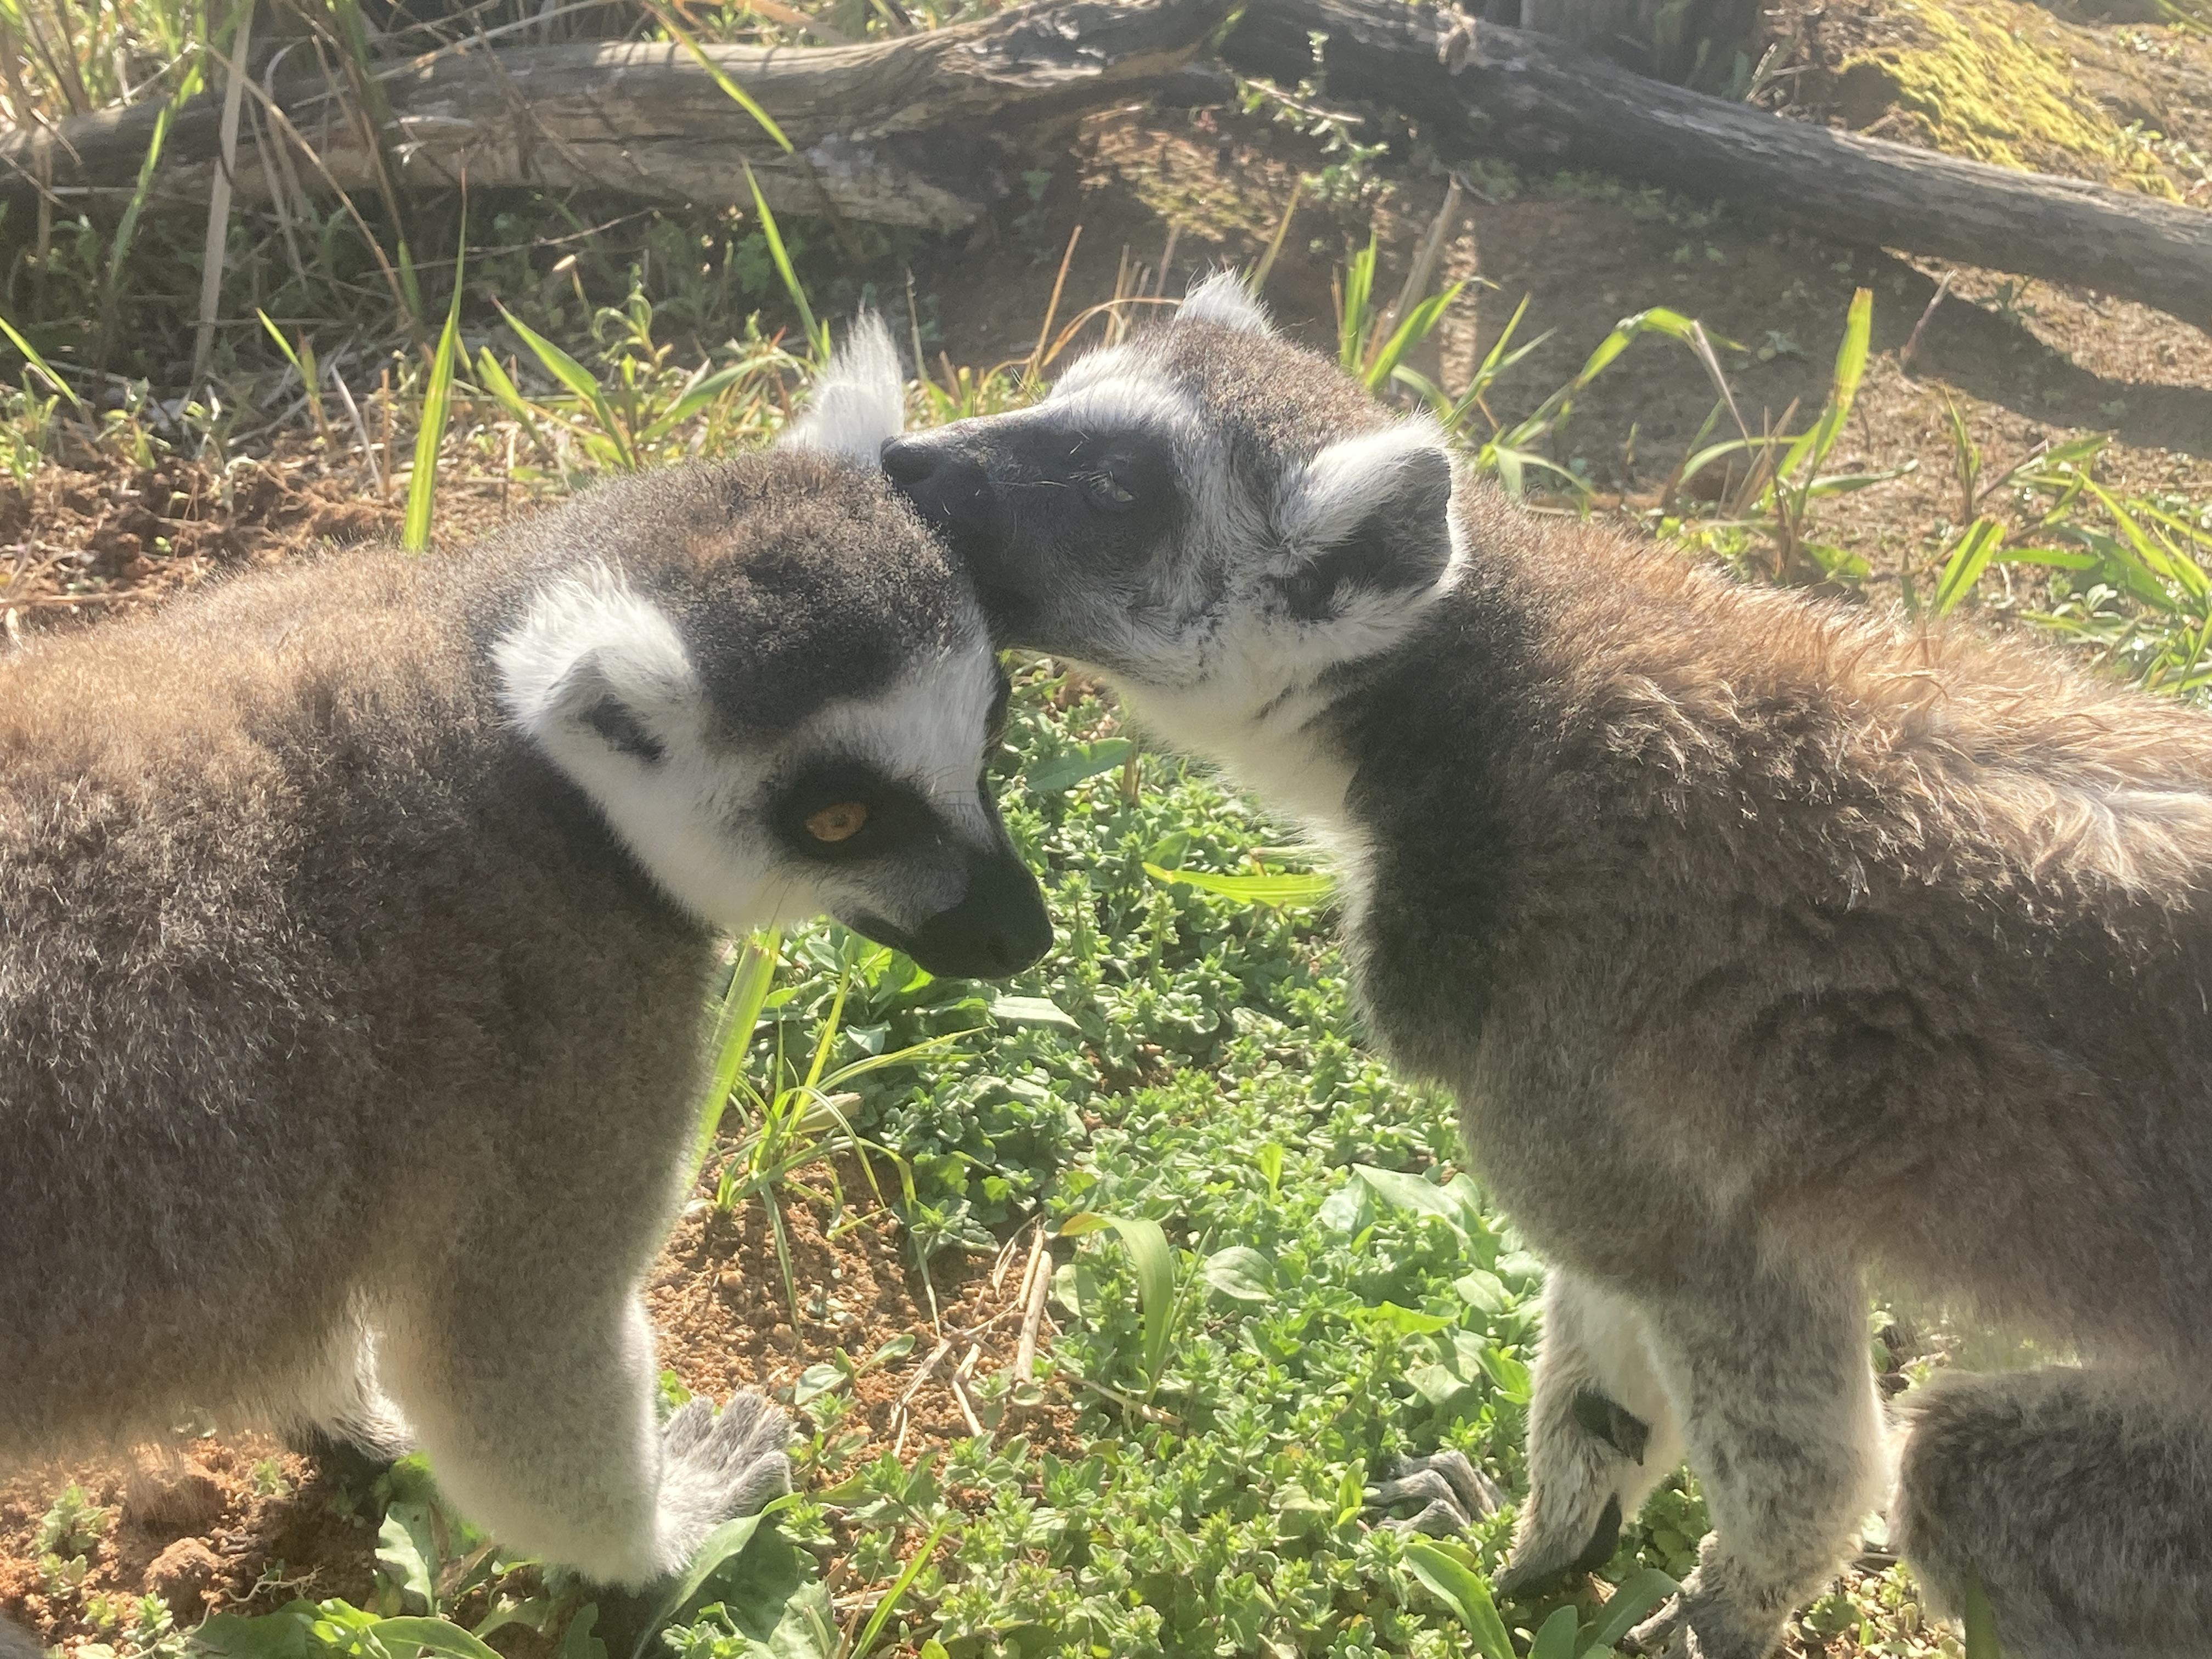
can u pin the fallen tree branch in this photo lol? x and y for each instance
(1535, 99)
(917, 130)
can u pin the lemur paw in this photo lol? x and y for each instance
(730, 1464)
(1453, 1494)
(1698, 1625)
(1665, 1635)
(1533, 1564)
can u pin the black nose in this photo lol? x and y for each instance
(999, 927)
(949, 486)
(909, 460)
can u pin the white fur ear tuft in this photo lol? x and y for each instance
(1223, 298)
(1323, 503)
(587, 639)
(858, 403)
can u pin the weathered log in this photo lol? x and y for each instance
(916, 131)
(1535, 99)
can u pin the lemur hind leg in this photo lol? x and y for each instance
(2082, 1499)
(1601, 1433)
(1768, 1368)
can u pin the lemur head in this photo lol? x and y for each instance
(1214, 516)
(778, 690)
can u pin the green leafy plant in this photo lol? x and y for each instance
(1981, 1625)
(1372, 341)
(800, 1123)
(1158, 1296)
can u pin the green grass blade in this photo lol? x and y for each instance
(725, 1541)
(831, 1024)
(1154, 1261)
(912, 1052)
(1968, 560)
(409, 283)
(1419, 324)
(437, 402)
(578, 379)
(888, 1603)
(1639, 1596)
(1155, 1264)
(1352, 321)
(494, 379)
(1425, 389)
(2152, 548)
(1813, 448)
(1084, 761)
(2180, 527)
(438, 1636)
(734, 1026)
(1980, 1621)
(1251, 890)
(44, 369)
(284, 345)
(730, 89)
(818, 336)
(695, 396)
(1462, 1590)
(126, 229)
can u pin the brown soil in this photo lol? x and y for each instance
(239, 1523)
(93, 533)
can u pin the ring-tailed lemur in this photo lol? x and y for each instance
(357, 923)
(1758, 940)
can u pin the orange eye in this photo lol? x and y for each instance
(840, 822)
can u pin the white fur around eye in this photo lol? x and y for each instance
(858, 403)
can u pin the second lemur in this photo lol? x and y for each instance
(1760, 939)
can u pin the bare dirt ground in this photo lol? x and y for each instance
(242, 1522)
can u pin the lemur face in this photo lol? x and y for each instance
(782, 695)
(1207, 512)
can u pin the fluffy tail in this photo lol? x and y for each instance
(17, 1643)
(860, 400)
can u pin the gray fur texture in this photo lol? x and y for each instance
(1760, 941)
(352, 996)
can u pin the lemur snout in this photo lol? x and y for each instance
(909, 460)
(944, 483)
(998, 927)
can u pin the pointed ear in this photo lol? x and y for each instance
(1223, 298)
(858, 402)
(586, 699)
(594, 666)
(1370, 514)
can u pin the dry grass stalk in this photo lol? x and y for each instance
(218, 222)
(1037, 1283)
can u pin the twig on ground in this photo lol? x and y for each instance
(1035, 1285)
(901, 1414)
